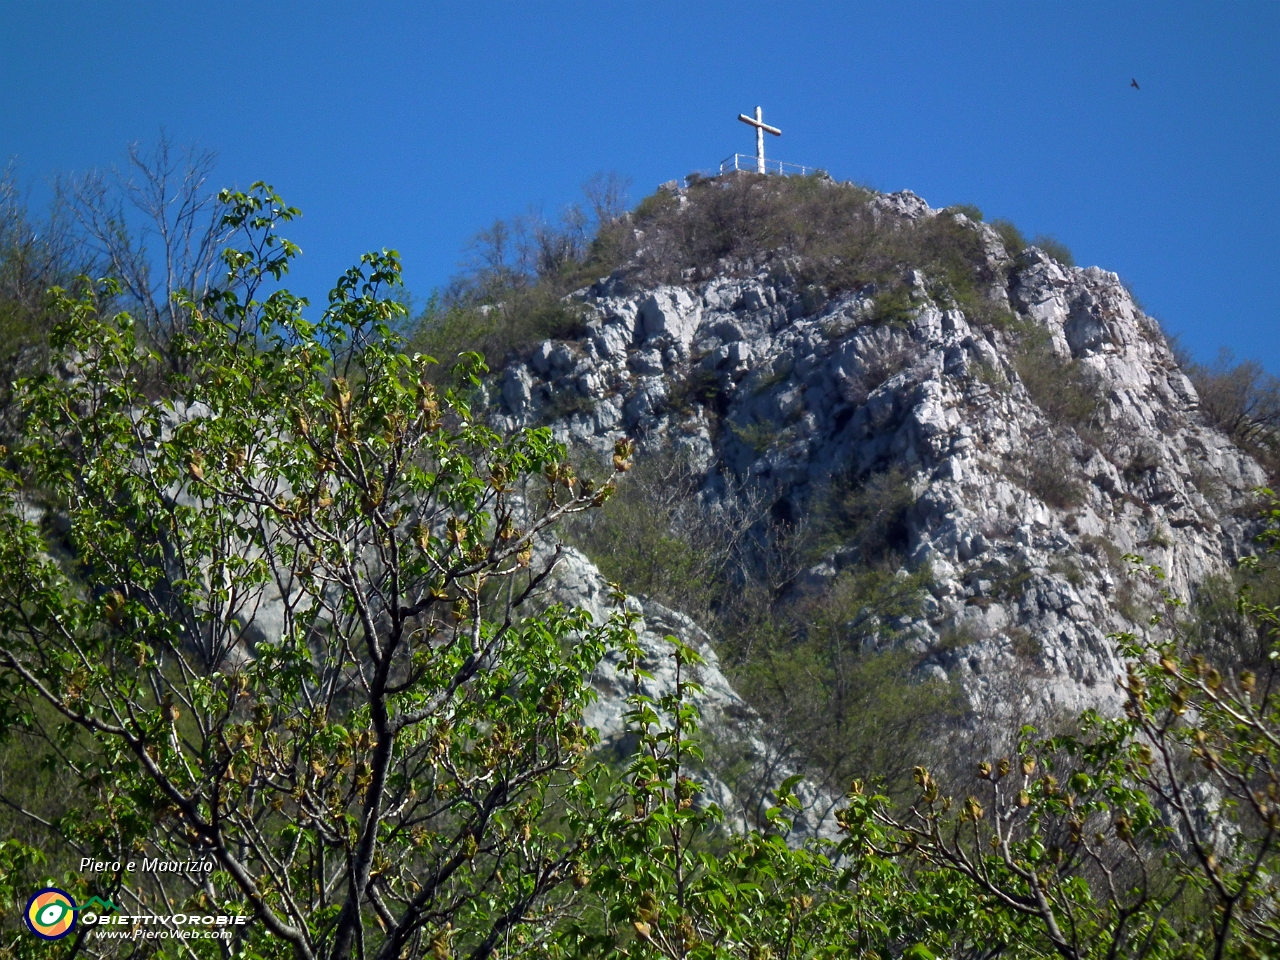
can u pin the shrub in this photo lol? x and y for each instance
(968, 209)
(659, 539)
(513, 291)
(1008, 583)
(656, 206)
(1103, 550)
(747, 217)
(1056, 249)
(882, 362)
(1025, 646)
(566, 403)
(1144, 458)
(1068, 392)
(1068, 569)
(1217, 626)
(1012, 238)
(1243, 401)
(700, 388)
(497, 331)
(836, 687)
(948, 253)
(895, 306)
(992, 375)
(1047, 472)
(868, 515)
(759, 436)
(1239, 398)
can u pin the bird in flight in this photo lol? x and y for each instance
(1134, 84)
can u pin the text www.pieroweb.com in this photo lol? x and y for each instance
(179, 926)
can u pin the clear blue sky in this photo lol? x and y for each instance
(414, 125)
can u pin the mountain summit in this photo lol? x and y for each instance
(892, 431)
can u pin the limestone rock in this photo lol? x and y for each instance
(671, 313)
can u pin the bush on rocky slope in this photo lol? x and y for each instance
(1243, 401)
(1069, 393)
(1215, 622)
(867, 515)
(510, 294)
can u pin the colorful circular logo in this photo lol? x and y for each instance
(51, 913)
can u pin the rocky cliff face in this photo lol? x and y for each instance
(1021, 504)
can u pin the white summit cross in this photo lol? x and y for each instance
(761, 129)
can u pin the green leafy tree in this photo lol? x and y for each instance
(275, 620)
(1057, 855)
(665, 880)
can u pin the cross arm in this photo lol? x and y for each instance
(763, 126)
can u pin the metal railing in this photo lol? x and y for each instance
(748, 162)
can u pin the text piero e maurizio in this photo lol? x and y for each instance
(146, 865)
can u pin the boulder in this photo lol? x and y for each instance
(671, 313)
